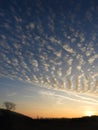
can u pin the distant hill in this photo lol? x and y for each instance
(14, 121)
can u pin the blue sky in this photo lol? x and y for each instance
(49, 48)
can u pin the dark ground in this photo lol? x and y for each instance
(15, 121)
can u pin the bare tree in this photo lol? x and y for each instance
(9, 105)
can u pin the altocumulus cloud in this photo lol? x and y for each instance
(48, 46)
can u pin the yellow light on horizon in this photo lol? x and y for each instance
(89, 113)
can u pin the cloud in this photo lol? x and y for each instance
(93, 58)
(18, 19)
(49, 50)
(70, 60)
(68, 48)
(30, 26)
(12, 94)
(70, 96)
(68, 72)
(47, 93)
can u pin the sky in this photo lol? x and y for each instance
(49, 57)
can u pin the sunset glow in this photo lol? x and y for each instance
(49, 57)
(90, 113)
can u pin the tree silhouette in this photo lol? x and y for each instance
(9, 105)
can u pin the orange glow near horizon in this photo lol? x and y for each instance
(58, 114)
(49, 57)
(54, 105)
(90, 113)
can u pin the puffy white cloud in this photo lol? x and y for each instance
(18, 19)
(69, 61)
(30, 26)
(68, 48)
(93, 58)
(68, 72)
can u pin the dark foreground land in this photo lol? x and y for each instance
(15, 121)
